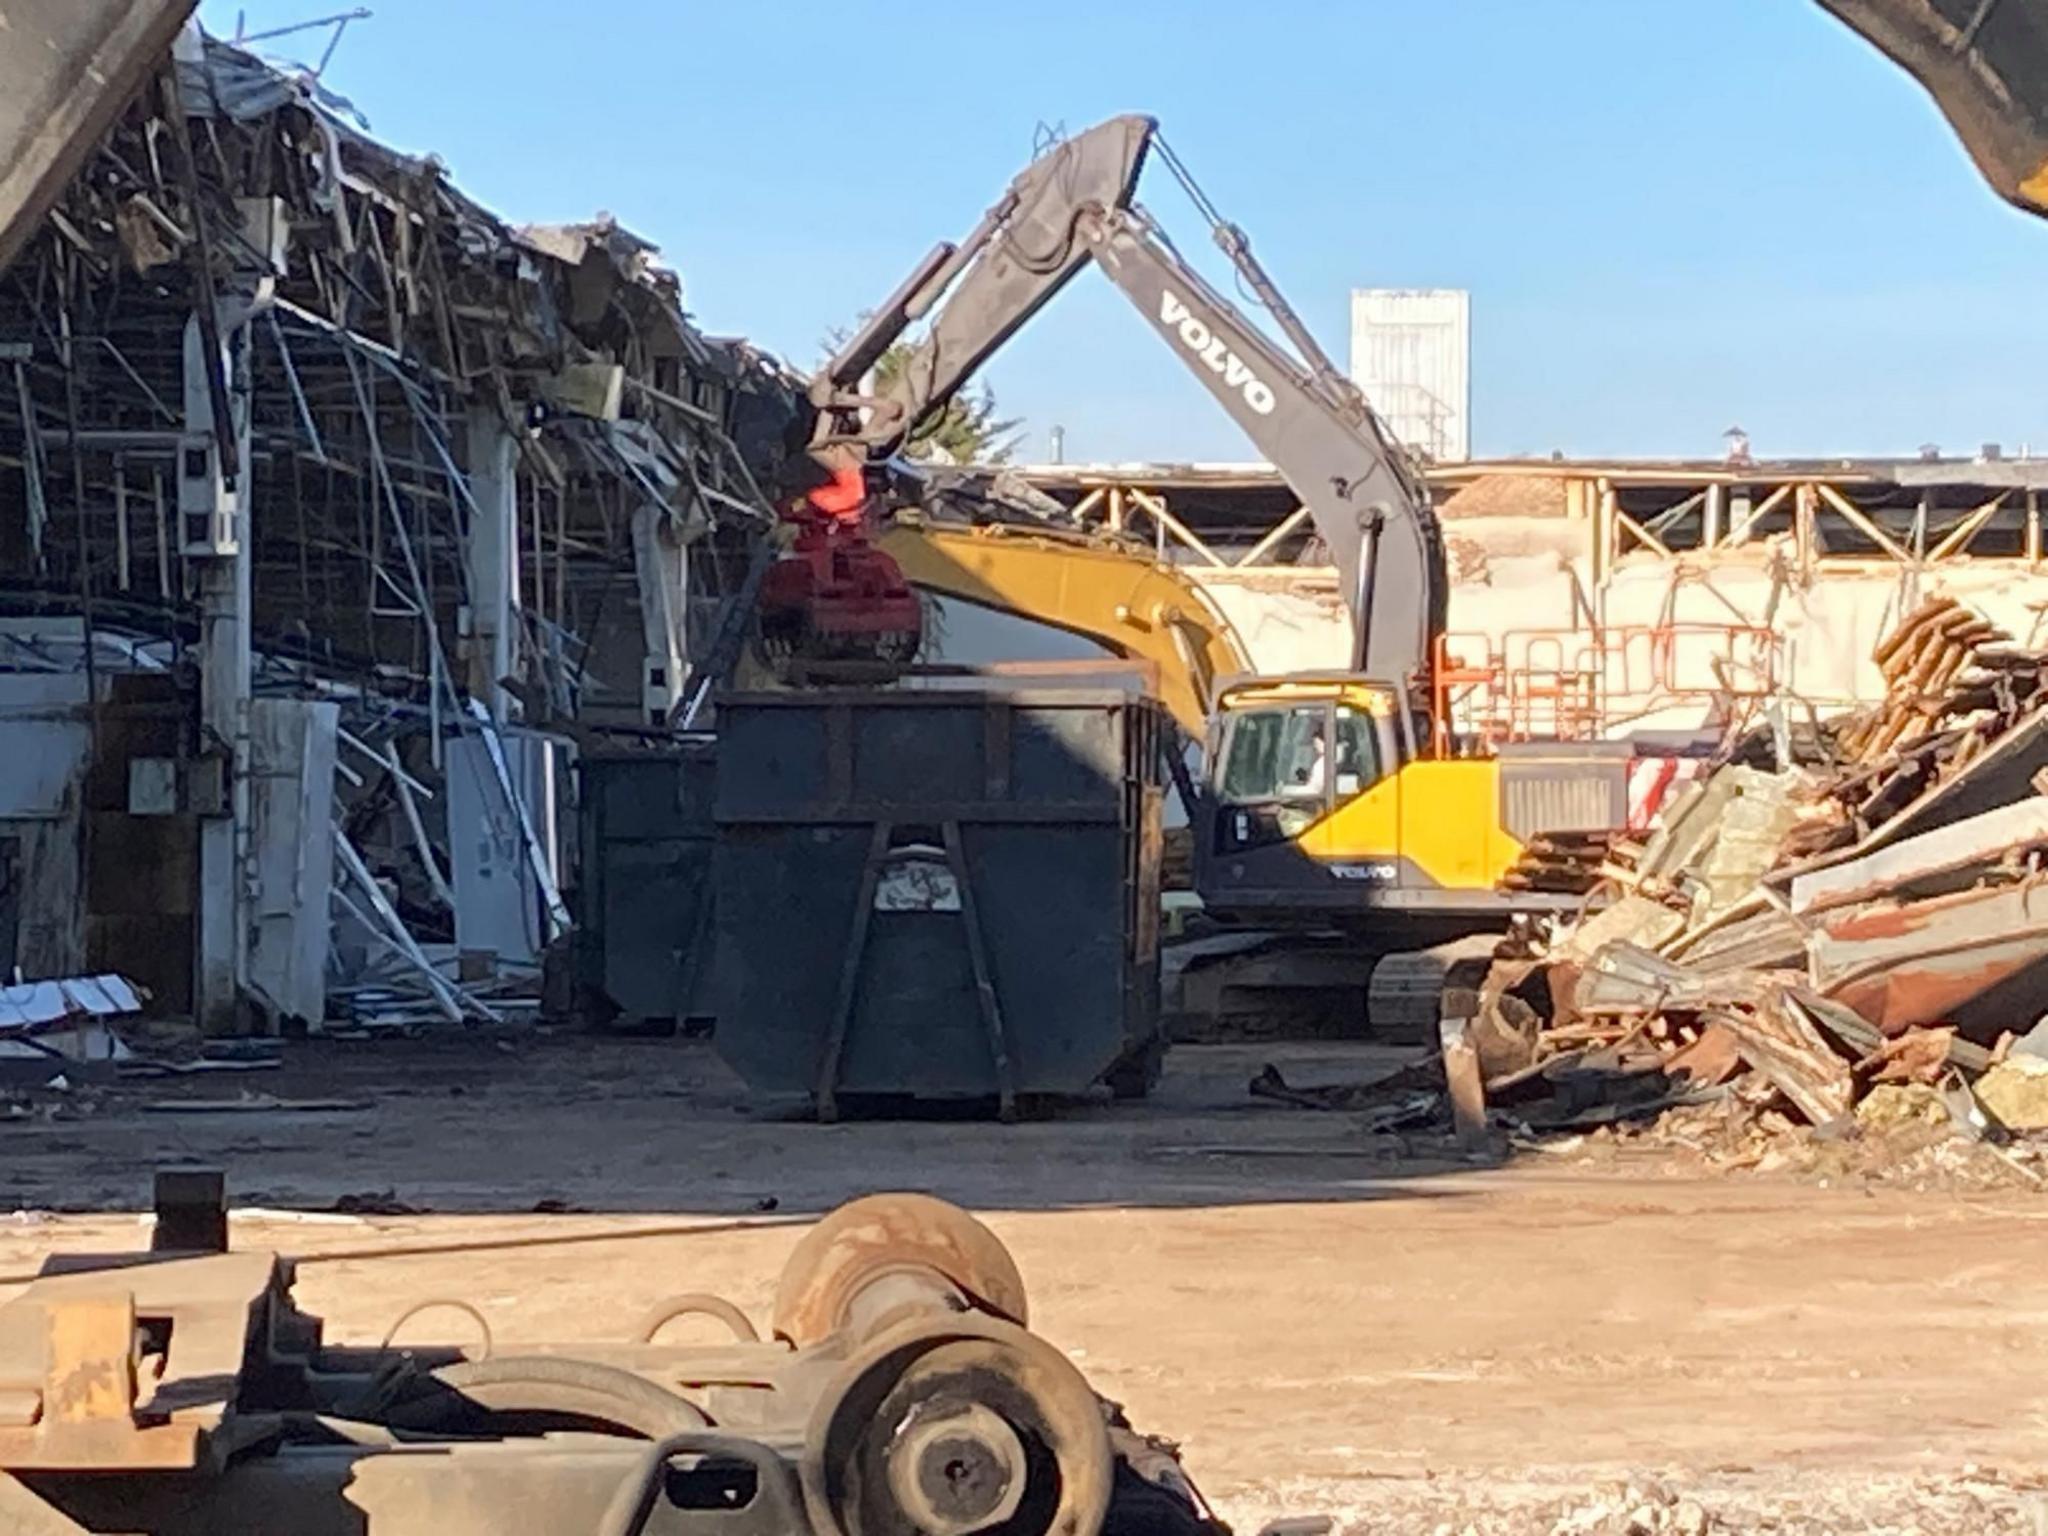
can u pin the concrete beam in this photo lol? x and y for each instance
(67, 68)
(661, 566)
(213, 518)
(490, 554)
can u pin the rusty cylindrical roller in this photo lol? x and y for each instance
(910, 1237)
(953, 1426)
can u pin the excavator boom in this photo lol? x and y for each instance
(1022, 253)
(1366, 503)
(1119, 597)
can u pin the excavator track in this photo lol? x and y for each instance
(1405, 998)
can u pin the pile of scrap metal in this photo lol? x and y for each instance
(899, 1392)
(1790, 938)
(1803, 935)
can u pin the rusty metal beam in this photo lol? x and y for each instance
(1900, 966)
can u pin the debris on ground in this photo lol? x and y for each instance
(2015, 1093)
(375, 1202)
(66, 1021)
(1974, 1502)
(1834, 950)
(197, 1056)
(256, 1103)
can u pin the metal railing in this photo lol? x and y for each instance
(1586, 685)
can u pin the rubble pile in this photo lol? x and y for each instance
(1846, 946)
(1845, 941)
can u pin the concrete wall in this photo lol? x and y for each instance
(1523, 577)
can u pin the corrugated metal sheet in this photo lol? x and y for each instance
(1950, 857)
(1411, 352)
(292, 745)
(34, 1004)
(1922, 962)
(43, 721)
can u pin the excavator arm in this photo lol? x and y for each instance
(1120, 598)
(1367, 504)
(1985, 63)
(1022, 253)
(1075, 204)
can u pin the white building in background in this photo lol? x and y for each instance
(1411, 352)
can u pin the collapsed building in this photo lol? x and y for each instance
(335, 511)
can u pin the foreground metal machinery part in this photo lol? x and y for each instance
(179, 1393)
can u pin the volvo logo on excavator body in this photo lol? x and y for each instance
(1216, 356)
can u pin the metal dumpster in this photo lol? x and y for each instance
(938, 893)
(643, 893)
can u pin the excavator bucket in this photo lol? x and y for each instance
(67, 67)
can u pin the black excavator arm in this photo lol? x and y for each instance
(1075, 204)
(1985, 63)
(1022, 252)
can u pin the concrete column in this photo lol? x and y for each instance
(490, 554)
(1741, 507)
(661, 567)
(213, 529)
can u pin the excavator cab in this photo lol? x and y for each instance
(1317, 801)
(1289, 755)
(1290, 761)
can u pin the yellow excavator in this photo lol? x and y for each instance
(1261, 733)
(1338, 798)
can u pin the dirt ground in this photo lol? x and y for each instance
(1328, 1322)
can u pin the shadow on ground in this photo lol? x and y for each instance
(573, 1123)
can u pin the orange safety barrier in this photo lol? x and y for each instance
(1581, 685)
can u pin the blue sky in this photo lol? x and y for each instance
(1672, 217)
